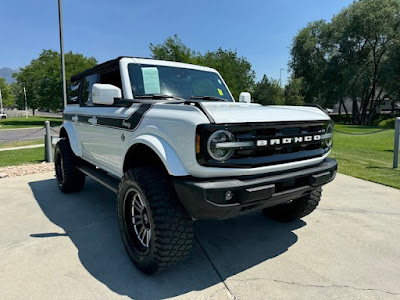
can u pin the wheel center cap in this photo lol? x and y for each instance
(146, 220)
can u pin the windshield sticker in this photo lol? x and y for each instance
(151, 80)
(220, 92)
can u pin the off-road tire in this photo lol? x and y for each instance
(296, 209)
(69, 179)
(171, 227)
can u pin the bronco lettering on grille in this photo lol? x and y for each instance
(288, 140)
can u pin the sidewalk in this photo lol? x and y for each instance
(23, 128)
(22, 147)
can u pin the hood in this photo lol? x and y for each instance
(223, 112)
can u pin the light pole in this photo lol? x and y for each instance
(1, 103)
(280, 76)
(60, 25)
(26, 103)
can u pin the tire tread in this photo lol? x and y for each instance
(173, 227)
(74, 180)
(296, 209)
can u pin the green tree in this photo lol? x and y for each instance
(292, 92)
(42, 79)
(268, 92)
(392, 70)
(236, 71)
(7, 96)
(367, 35)
(354, 56)
(172, 49)
(309, 62)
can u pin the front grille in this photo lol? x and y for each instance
(271, 133)
(272, 153)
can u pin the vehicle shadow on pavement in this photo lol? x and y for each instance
(89, 220)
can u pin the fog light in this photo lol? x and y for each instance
(228, 195)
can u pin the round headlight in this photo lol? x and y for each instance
(329, 132)
(220, 136)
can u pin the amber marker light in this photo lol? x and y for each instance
(197, 144)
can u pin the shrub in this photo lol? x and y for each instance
(377, 119)
(388, 123)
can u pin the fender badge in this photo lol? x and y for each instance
(126, 124)
(123, 137)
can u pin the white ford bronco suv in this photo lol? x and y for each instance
(170, 140)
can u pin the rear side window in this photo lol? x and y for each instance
(111, 77)
(73, 92)
(86, 87)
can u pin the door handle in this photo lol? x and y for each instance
(75, 118)
(93, 121)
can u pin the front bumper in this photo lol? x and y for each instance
(206, 199)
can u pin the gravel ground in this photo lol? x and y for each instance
(26, 169)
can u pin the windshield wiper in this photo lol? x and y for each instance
(156, 96)
(208, 98)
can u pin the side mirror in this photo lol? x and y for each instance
(245, 97)
(105, 93)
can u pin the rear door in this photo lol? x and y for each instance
(102, 134)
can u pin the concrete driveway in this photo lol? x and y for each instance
(56, 246)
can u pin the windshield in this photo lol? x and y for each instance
(178, 82)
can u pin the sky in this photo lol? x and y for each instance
(261, 31)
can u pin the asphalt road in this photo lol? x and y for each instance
(22, 113)
(56, 246)
(10, 135)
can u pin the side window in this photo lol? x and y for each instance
(111, 77)
(136, 77)
(73, 92)
(87, 83)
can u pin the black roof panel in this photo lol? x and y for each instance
(108, 65)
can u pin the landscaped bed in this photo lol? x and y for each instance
(23, 162)
(26, 169)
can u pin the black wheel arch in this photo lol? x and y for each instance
(63, 133)
(140, 155)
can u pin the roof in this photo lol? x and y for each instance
(111, 64)
(114, 63)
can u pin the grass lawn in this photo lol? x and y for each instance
(22, 122)
(368, 157)
(19, 157)
(20, 143)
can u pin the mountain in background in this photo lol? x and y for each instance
(7, 73)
